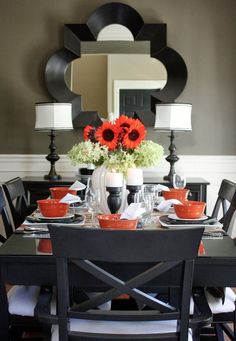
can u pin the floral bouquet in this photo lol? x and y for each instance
(118, 145)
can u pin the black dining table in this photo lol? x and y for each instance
(21, 263)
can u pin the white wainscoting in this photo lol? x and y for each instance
(213, 168)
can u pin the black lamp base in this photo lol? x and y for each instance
(52, 177)
(171, 158)
(52, 157)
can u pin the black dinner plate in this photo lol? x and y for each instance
(76, 219)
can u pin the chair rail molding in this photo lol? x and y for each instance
(213, 168)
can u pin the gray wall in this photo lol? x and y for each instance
(202, 31)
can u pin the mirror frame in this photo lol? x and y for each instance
(114, 13)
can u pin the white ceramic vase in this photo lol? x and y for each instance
(99, 182)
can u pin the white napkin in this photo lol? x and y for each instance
(133, 211)
(70, 199)
(165, 205)
(162, 188)
(78, 186)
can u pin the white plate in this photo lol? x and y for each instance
(40, 216)
(174, 216)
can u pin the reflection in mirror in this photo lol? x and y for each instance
(98, 78)
(115, 32)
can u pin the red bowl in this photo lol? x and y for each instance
(176, 193)
(45, 245)
(190, 209)
(60, 192)
(113, 221)
(52, 208)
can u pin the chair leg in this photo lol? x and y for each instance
(196, 334)
(219, 332)
(15, 334)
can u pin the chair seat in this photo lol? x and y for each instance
(22, 299)
(120, 327)
(216, 305)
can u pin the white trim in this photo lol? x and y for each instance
(133, 84)
(213, 168)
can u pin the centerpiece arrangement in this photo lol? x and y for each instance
(118, 147)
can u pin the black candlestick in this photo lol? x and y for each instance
(114, 198)
(133, 189)
(52, 157)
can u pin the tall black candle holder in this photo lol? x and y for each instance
(114, 198)
(133, 189)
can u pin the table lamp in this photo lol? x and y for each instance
(49, 118)
(173, 117)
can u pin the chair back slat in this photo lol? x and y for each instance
(16, 198)
(5, 218)
(227, 202)
(97, 252)
(144, 244)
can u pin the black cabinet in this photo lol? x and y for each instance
(197, 186)
(38, 188)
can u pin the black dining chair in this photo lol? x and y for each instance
(21, 299)
(100, 258)
(17, 201)
(222, 301)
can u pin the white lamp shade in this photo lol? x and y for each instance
(53, 116)
(173, 116)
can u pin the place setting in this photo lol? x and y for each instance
(184, 213)
(58, 209)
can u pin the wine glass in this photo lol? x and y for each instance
(179, 181)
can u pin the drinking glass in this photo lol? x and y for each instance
(152, 190)
(179, 181)
(92, 200)
(146, 201)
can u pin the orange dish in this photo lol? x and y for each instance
(113, 221)
(60, 192)
(190, 209)
(52, 207)
(176, 193)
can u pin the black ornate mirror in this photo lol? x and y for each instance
(150, 37)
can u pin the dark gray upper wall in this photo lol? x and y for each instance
(202, 31)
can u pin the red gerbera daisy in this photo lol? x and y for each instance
(134, 136)
(89, 133)
(107, 134)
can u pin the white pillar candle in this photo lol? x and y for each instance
(114, 179)
(134, 177)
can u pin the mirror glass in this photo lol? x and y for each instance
(115, 73)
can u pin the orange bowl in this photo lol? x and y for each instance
(113, 221)
(60, 192)
(52, 208)
(190, 209)
(176, 193)
(45, 245)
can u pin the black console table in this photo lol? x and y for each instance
(197, 186)
(38, 188)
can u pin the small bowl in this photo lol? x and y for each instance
(113, 221)
(60, 192)
(190, 209)
(180, 194)
(52, 208)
